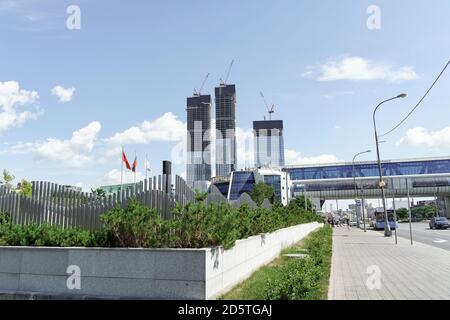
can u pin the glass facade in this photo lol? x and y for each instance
(371, 170)
(242, 182)
(274, 181)
(396, 183)
(225, 130)
(269, 143)
(198, 167)
(223, 188)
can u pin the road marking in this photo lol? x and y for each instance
(440, 241)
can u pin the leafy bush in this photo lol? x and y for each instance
(195, 225)
(134, 226)
(4, 218)
(25, 188)
(44, 235)
(304, 279)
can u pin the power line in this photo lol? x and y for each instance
(420, 101)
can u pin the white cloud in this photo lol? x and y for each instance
(422, 137)
(166, 128)
(295, 158)
(63, 94)
(114, 177)
(17, 106)
(75, 152)
(358, 68)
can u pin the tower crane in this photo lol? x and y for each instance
(271, 109)
(199, 92)
(224, 82)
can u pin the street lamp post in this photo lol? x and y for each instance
(354, 183)
(382, 184)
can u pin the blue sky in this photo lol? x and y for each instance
(132, 65)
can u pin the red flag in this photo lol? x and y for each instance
(134, 165)
(124, 159)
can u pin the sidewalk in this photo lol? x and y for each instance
(406, 272)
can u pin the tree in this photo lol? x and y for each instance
(299, 202)
(25, 188)
(402, 213)
(424, 212)
(262, 191)
(200, 196)
(99, 193)
(8, 178)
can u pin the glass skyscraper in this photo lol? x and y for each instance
(198, 139)
(269, 143)
(225, 129)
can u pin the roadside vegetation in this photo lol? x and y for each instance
(195, 225)
(289, 278)
(417, 213)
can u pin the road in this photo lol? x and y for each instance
(422, 233)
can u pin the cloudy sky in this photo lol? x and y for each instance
(69, 99)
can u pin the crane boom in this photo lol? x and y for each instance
(264, 99)
(270, 110)
(199, 92)
(224, 82)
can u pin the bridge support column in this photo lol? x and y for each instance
(447, 206)
(317, 203)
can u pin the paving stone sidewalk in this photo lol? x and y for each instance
(404, 271)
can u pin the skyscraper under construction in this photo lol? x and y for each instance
(225, 129)
(269, 143)
(198, 141)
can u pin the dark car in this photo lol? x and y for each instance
(439, 223)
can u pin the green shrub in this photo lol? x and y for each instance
(304, 279)
(195, 225)
(133, 226)
(44, 235)
(5, 218)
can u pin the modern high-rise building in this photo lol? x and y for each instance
(198, 141)
(225, 129)
(268, 143)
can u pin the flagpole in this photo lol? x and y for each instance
(146, 169)
(135, 169)
(121, 170)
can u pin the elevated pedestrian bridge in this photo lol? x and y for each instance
(427, 177)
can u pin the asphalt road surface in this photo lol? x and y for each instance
(422, 233)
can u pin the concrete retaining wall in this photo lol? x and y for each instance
(142, 273)
(227, 268)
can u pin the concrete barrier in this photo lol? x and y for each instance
(140, 273)
(227, 268)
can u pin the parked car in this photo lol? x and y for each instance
(439, 223)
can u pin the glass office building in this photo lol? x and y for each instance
(198, 166)
(241, 182)
(274, 181)
(269, 143)
(225, 129)
(244, 181)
